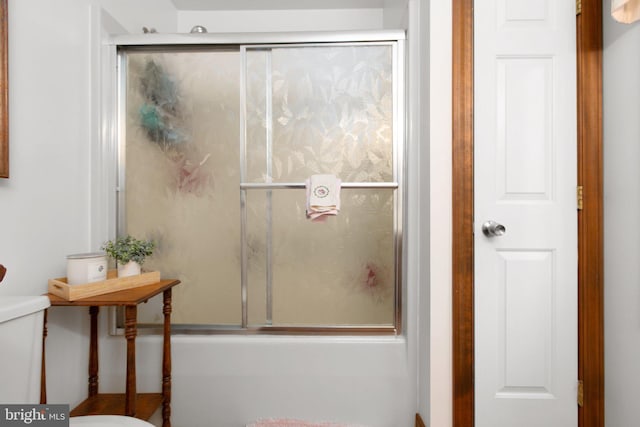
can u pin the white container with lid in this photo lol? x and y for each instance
(86, 268)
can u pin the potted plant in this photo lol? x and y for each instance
(129, 253)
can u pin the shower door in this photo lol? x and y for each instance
(216, 147)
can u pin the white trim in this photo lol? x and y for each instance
(151, 39)
(440, 27)
(103, 128)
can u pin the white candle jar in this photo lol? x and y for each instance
(86, 268)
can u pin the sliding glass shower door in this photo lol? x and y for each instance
(217, 145)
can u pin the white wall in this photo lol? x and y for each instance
(133, 15)
(233, 21)
(621, 213)
(45, 205)
(48, 211)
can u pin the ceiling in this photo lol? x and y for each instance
(283, 4)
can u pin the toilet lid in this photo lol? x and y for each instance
(107, 421)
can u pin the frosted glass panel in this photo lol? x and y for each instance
(330, 110)
(340, 272)
(182, 161)
(200, 129)
(258, 115)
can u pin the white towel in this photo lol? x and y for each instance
(323, 196)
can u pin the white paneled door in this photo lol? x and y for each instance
(525, 182)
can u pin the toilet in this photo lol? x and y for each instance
(21, 320)
(107, 421)
(21, 323)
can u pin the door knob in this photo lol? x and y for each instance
(493, 229)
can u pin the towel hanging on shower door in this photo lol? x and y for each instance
(625, 11)
(323, 196)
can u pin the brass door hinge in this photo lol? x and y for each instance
(580, 197)
(578, 7)
(580, 393)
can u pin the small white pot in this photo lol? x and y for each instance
(131, 268)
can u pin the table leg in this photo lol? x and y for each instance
(166, 360)
(130, 320)
(93, 351)
(43, 367)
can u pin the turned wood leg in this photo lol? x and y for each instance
(130, 320)
(43, 367)
(93, 351)
(166, 360)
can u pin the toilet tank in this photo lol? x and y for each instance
(21, 325)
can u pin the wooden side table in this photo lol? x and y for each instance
(131, 403)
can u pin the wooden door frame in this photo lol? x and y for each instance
(590, 218)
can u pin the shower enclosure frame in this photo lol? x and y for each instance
(242, 42)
